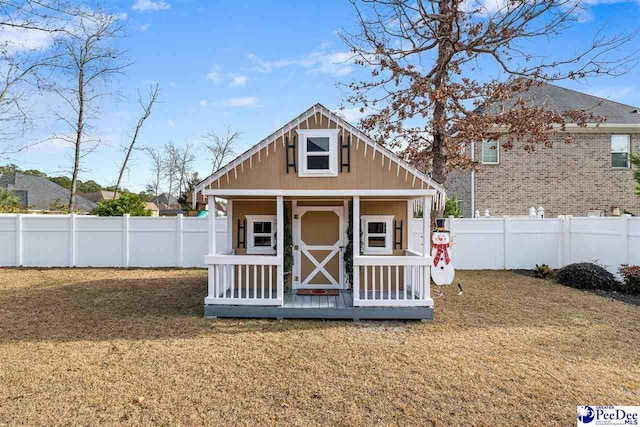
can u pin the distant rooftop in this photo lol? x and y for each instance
(38, 193)
(560, 100)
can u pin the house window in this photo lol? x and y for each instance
(261, 232)
(490, 153)
(620, 147)
(377, 234)
(317, 152)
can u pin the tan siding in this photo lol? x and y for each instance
(268, 171)
(396, 208)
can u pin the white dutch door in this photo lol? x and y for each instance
(318, 246)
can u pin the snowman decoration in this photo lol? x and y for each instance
(442, 271)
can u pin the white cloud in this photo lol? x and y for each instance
(14, 39)
(203, 103)
(150, 5)
(171, 123)
(248, 101)
(214, 74)
(336, 63)
(142, 28)
(238, 81)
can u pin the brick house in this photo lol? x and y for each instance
(591, 174)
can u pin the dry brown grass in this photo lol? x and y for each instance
(87, 347)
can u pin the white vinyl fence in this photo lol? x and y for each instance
(521, 242)
(91, 241)
(479, 243)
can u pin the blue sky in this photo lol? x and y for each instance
(253, 65)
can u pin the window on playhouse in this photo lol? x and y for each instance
(490, 152)
(318, 152)
(261, 232)
(620, 145)
(377, 234)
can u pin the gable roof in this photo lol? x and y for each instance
(356, 133)
(39, 193)
(560, 100)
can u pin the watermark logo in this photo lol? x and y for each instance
(589, 416)
(586, 414)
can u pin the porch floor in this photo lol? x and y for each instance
(319, 307)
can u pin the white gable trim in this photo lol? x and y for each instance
(339, 122)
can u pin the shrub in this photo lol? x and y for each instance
(586, 275)
(631, 276)
(126, 203)
(451, 208)
(543, 271)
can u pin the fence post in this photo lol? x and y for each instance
(506, 228)
(566, 241)
(125, 240)
(72, 240)
(625, 237)
(179, 239)
(19, 240)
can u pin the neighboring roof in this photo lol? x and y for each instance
(340, 121)
(561, 100)
(38, 193)
(98, 196)
(166, 201)
(151, 206)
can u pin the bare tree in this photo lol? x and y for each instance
(426, 95)
(88, 64)
(171, 171)
(146, 112)
(185, 159)
(157, 168)
(221, 148)
(28, 31)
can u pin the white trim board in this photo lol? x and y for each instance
(324, 193)
(294, 124)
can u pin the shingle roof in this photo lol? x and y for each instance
(560, 100)
(40, 193)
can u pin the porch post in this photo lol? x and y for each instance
(355, 227)
(426, 218)
(230, 225)
(280, 246)
(211, 200)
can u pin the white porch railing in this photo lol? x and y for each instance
(245, 280)
(400, 281)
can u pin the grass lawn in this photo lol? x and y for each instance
(99, 346)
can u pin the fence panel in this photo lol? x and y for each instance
(634, 241)
(8, 237)
(531, 241)
(99, 241)
(45, 241)
(599, 240)
(90, 241)
(478, 244)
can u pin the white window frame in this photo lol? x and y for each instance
(332, 134)
(628, 152)
(497, 162)
(388, 243)
(260, 250)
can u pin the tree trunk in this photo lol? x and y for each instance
(79, 128)
(439, 123)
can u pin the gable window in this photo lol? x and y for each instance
(490, 153)
(261, 232)
(620, 147)
(317, 152)
(377, 234)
